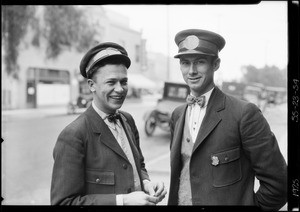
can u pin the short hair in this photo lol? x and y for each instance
(214, 58)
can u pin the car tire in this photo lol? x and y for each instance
(150, 125)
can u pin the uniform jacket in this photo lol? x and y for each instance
(235, 132)
(90, 167)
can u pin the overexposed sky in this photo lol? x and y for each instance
(254, 34)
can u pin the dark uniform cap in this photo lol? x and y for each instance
(198, 41)
(104, 52)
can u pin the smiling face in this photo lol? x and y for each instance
(109, 87)
(198, 72)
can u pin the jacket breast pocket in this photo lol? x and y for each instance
(226, 167)
(100, 182)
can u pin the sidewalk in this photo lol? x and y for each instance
(45, 111)
(34, 112)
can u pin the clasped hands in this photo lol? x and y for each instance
(154, 193)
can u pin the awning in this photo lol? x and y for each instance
(139, 81)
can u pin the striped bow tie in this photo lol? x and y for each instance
(199, 100)
(113, 117)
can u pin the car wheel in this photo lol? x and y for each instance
(150, 125)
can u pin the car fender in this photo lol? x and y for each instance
(149, 114)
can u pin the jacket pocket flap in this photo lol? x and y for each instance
(100, 177)
(226, 156)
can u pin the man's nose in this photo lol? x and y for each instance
(119, 87)
(192, 69)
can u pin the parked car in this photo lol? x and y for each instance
(174, 94)
(255, 93)
(251, 92)
(83, 100)
(276, 95)
(235, 89)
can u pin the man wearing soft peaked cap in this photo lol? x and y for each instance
(97, 157)
(219, 143)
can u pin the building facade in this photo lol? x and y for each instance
(44, 82)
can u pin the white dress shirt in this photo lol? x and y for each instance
(196, 115)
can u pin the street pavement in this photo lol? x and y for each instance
(158, 161)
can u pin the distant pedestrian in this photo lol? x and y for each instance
(219, 143)
(97, 158)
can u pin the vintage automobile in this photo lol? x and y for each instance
(251, 92)
(83, 100)
(276, 95)
(235, 89)
(174, 94)
(257, 93)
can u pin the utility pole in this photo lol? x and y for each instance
(168, 46)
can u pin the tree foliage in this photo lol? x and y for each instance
(61, 27)
(268, 75)
(66, 27)
(15, 20)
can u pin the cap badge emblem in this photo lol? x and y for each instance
(191, 42)
(215, 160)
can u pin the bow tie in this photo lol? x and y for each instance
(113, 117)
(199, 100)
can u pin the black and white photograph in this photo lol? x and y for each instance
(146, 104)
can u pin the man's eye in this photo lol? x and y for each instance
(110, 82)
(124, 82)
(184, 63)
(199, 62)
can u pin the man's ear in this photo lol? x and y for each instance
(91, 85)
(216, 64)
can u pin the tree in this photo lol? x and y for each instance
(66, 27)
(63, 27)
(268, 75)
(15, 20)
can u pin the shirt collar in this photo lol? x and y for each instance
(104, 116)
(100, 112)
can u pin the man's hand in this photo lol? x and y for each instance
(155, 189)
(139, 198)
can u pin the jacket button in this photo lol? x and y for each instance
(125, 166)
(187, 139)
(129, 190)
(97, 180)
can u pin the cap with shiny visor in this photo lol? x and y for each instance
(197, 41)
(103, 52)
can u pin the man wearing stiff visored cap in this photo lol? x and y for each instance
(219, 143)
(97, 158)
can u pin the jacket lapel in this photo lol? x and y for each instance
(132, 143)
(130, 137)
(211, 118)
(177, 137)
(106, 136)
